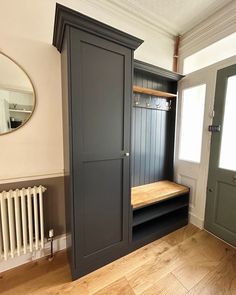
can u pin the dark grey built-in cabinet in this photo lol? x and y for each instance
(97, 67)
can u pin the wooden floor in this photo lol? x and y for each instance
(188, 261)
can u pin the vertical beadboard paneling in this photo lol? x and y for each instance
(162, 149)
(148, 147)
(152, 137)
(152, 146)
(137, 145)
(158, 146)
(143, 145)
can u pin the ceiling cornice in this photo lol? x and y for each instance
(219, 25)
(136, 14)
(159, 23)
(198, 20)
(149, 18)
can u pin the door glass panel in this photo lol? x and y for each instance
(228, 141)
(192, 115)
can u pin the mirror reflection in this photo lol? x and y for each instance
(17, 98)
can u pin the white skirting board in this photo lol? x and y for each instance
(58, 244)
(195, 220)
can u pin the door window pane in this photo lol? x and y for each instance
(192, 116)
(228, 141)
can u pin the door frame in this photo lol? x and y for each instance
(184, 170)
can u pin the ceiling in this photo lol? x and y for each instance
(173, 16)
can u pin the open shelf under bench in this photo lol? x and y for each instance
(161, 226)
(158, 209)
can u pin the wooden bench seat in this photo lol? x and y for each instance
(158, 209)
(147, 194)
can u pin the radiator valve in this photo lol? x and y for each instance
(50, 239)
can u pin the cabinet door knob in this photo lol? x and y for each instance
(126, 154)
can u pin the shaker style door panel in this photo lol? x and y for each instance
(101, 92)
(103, 198)
(103, 99)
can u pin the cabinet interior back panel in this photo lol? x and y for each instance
(152, 142)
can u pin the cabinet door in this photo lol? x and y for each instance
(101, 73)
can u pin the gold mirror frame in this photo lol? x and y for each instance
(34, 95)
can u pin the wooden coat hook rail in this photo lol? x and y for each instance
(153, 92)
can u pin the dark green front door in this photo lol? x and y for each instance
(220, 218)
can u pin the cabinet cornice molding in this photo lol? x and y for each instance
(155, 70)
(65, 16)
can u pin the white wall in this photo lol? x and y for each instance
(26, 30)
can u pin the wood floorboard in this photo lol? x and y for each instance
(220, 281)
(176, 257)
(188, 261)
(181, 234)
(168, 285)
(119, 287)
(102, 277)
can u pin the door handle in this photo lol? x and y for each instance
(126, 154)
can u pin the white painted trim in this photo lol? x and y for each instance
(188, 173)
(58, 245)
(195, 220)
(49, 174)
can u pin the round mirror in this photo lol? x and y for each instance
(17, 96)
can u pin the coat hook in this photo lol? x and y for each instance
(148, 104)
(168, 105)
(137, 99)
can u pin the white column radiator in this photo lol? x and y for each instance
(21, 221)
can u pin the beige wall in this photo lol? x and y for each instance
(26, 29)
